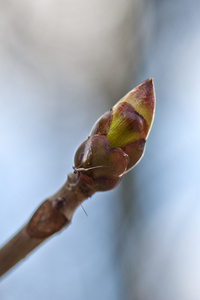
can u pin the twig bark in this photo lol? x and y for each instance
(52, 215)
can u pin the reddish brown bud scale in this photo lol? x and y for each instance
(134, 150)
(103, 124)
(103, 164)
(142, 97)
(117, 139)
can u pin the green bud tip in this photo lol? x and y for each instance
(132, 116)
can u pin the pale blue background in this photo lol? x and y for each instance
(140, 241)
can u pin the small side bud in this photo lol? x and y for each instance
(117, 139)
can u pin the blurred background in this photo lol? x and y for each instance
(63, 63)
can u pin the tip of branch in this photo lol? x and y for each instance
(142, 98)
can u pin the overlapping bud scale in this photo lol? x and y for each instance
(117, 140)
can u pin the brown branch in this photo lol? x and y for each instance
(115, 145)
(53, 214)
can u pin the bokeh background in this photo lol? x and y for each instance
(62, 64)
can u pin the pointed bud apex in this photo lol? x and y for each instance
(135, 110)
(117, 140)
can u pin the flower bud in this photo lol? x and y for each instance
(117, 140)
